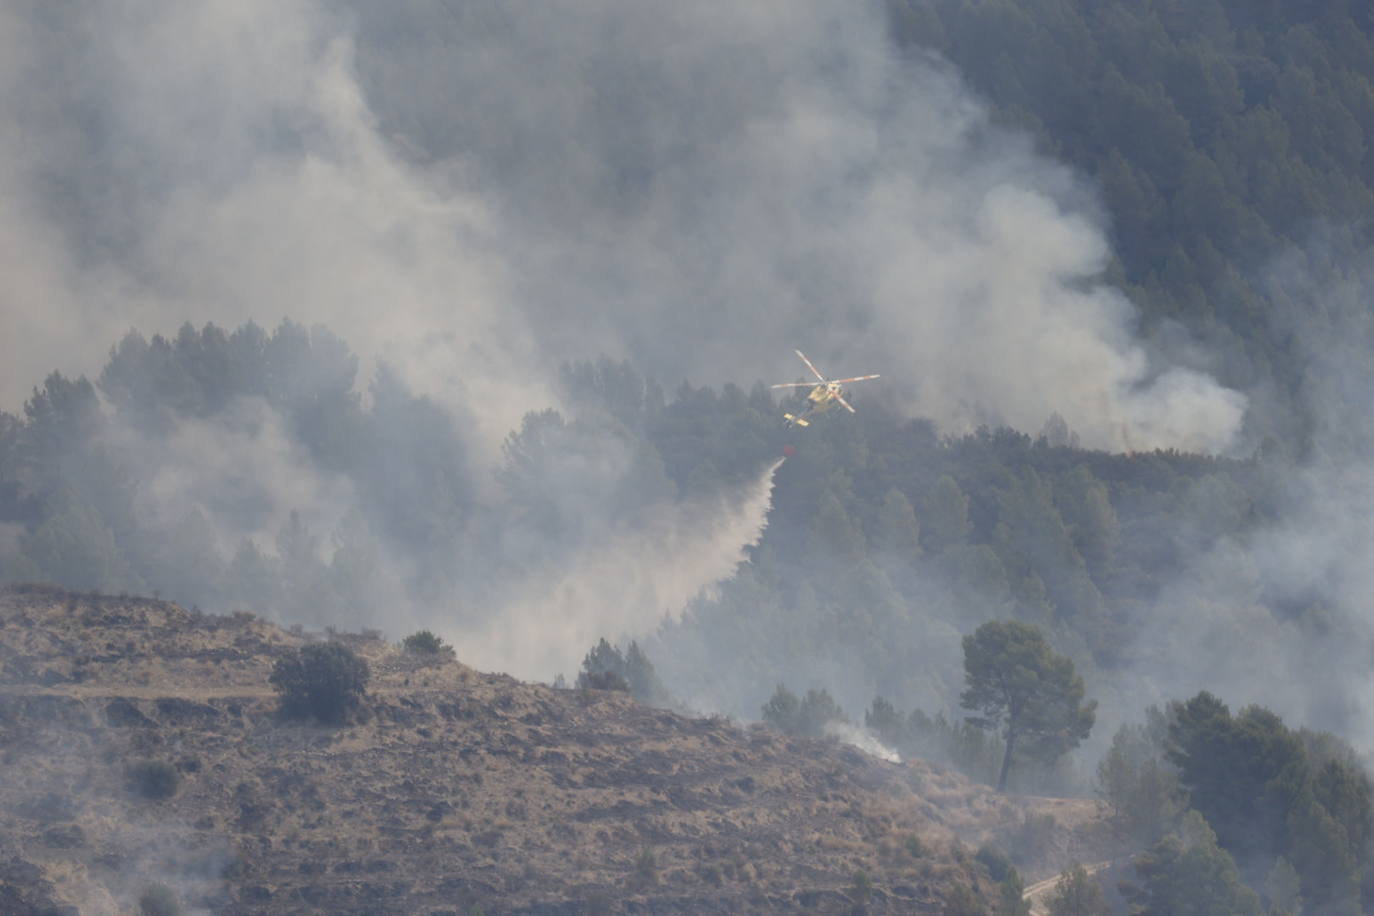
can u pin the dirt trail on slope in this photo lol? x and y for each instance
(1039, 893)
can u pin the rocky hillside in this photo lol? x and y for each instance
(145, 769)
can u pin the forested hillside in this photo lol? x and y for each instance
(1194, 224)
(885, 543)
(1230, 144)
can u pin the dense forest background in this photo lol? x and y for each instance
(247, 467)
(1230, 142)
(886, 541)
(1227, 146)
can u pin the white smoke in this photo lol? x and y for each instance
(245, 471)
(623, 583)
(479, 194)
(1277, 610)
(863, 739)
(240, 176)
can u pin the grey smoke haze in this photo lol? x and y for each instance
(246, 471)
(1283, 617)
(625, 580)
(479, 192)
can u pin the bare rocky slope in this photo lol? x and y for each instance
(460, 793)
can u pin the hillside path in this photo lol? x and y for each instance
(1039, 893)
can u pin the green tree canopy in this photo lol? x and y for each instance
(1078, 894)
(807, 715)
(605, 665)
(1017, 683)
(425, 644)
(897, 533)
(324, 681)
(1270, 791)
(945, 516)
(1140, 788)
(1188, 874)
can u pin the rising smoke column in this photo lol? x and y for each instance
(480, 192)
(196, 162)
(1280, 615)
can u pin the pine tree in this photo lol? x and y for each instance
(1078, 894)
(1017, 684)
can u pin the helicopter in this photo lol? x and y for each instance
(825, 393)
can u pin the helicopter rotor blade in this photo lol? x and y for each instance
(860, 378)
(813, 369)
(794, 385)
(845, 404)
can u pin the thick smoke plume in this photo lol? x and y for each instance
(477, 193)
(480, 192)
(1281, 616)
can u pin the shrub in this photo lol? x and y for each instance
(1080, 894)
(424, 642)
(782, 711)
(961, 901)
(807, 716)
(995, 861)
(646, 866)
(153, 779)
(603, 680)
(861, 888)
(631, 667)
(1011, 896)
(324, 681)
(159, 900)
(48, 808)
(1034, 833)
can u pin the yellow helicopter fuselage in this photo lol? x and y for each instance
(822, 397)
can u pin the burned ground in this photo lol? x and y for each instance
(459, 792)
